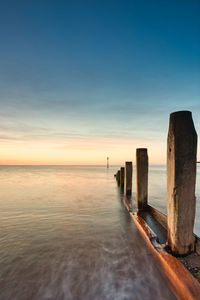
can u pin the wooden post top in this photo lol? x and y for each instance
(181, 122)
(141, 149)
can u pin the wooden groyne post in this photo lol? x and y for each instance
(118, 177)
(141, 178)
(122, 178)
(128, 178)
(181, 178)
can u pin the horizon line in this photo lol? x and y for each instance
(118, 164)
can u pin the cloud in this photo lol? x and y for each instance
(21, 131)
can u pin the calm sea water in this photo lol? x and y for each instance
(64, 234)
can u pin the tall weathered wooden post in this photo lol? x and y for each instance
(181, 178)
(141, 178)
(128, 178)
(122, 178)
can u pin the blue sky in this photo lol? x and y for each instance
(79, 76)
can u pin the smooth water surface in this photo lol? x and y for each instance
(64, 234)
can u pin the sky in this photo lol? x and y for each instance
(83, 80)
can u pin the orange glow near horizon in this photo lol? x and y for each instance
(77, 152)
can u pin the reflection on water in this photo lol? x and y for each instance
(65, 235)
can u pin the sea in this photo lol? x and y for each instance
(65, 234)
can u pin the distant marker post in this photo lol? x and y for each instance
(107, 162)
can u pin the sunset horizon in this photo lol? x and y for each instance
(97, 81)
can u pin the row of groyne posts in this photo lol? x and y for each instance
(181, 180)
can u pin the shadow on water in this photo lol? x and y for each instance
(73, 243)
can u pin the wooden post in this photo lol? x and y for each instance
(107, 162)
(181, 178)
(118, 177)
(141, 178)
(128, 178)
(122, 178)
